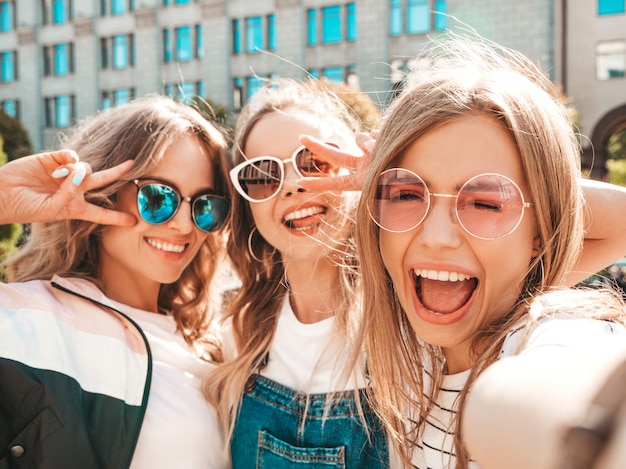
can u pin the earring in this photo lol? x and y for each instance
(251, 250)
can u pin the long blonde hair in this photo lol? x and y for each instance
(255, 309)
(466, 77)
(142, 131)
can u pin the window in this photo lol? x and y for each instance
(334, 74)
(331, 25)
(117, 52)
(610, 59)
(199, 29)
(184, 47)
(8, 64)
(610, 7)
(6, 16)
(395, 17)
(312, 27)
(254, 84)
(184, 91)
(123, 55)
(11, 107)
(351, 32)
(237, 37)
(60, 111)
(118, 7)
(167, 3)
(254, 34)
(58, 60)
(183, 44)
(63, 59)
(271, 32)
(237, 93)
(122, 96)
(60, 11)
(336, 24)
(416, 16)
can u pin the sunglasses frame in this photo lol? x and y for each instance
(454, 196)
(234, 173)
(191, 200)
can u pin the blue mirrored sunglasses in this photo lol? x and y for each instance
(158, 202)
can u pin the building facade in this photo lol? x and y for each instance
(62, 60)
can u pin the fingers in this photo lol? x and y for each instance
(330, 153)
(107, 176)
(339, 183)
(103, 216)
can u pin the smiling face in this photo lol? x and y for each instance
(144, 256)
(449, 283)
(297, 223)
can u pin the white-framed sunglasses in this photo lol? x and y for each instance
(260, 179)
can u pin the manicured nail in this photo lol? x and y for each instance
(79, 176)
(60, 173)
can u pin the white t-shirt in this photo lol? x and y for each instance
(434, 450)
(180, 428)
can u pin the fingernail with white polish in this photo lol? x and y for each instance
(79, 176)
(60, 173)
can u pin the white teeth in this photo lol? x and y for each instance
(168, 247)
(442, 275)
(303, 213)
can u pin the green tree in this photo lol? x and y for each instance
(16, 139)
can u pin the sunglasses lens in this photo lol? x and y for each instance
(156, 203)
(260, 179)
(490, 206)
(312, 165)
(401, 200)
(210, 212)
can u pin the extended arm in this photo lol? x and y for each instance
(605, 223)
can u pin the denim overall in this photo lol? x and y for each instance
(271, 435)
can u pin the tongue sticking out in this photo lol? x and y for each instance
(444, 297)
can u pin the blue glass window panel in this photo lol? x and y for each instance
(199, 41)
(58, 11)
(7, 66)
(186, 91)
(10, 107)
(418, 16)
(271, 32)
(314, 73)
(311, 27)
(120, 51)
(61, 59)
(236, 37)
(106, 101)
(395, 17)
(167, 46)
(6, 16)
(181, 2)
(610, 7)
(254, 34)
(118, 7)
(351, 29)
(184, 48)
(121, 96)
(331, 25)
(63, 111)
(201, 89)
(254, 84)
(334, 73)
(441, 20)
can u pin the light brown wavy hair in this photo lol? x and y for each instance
(255, 309)
(141, 130)
(465, 77)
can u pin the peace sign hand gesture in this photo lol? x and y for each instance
(51, 186)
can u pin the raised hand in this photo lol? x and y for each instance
(51, 186)
(357, 164)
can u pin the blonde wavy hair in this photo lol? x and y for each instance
(255, 309)
(466, 76)
(141, 130)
